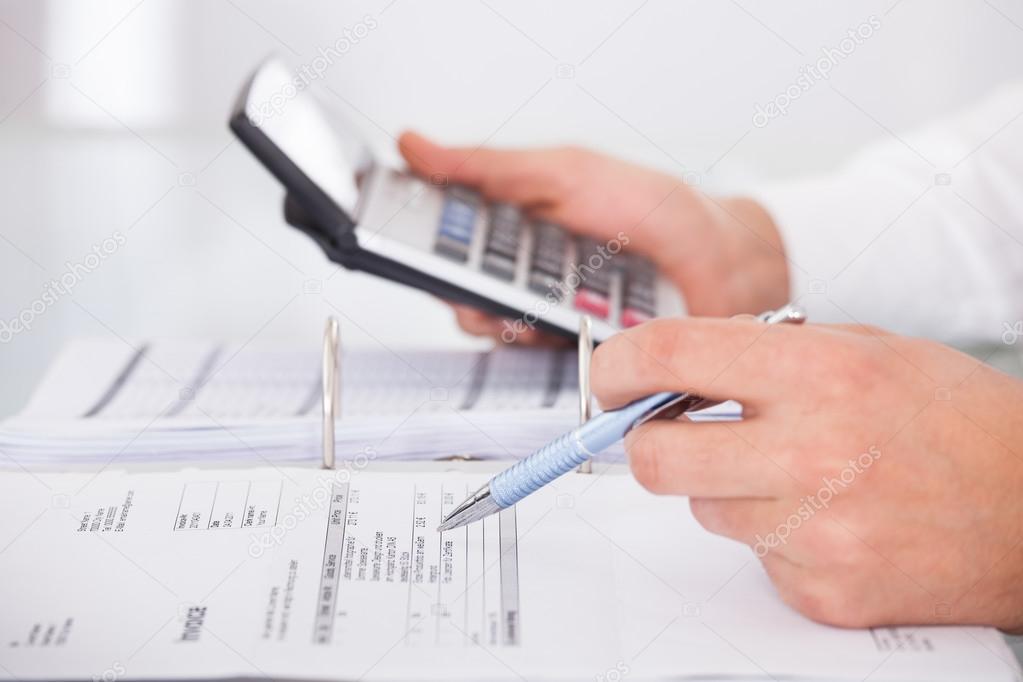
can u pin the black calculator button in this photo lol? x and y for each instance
(545, 283)
(639, 293)
(505, 231)
(453, 249)
(594, 268)
(499, 265)
(549, 247)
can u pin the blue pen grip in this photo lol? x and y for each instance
(570, 450)
(552, 460)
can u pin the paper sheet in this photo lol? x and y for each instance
(108, 379)
(300, 573)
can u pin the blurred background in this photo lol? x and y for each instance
(113, 120)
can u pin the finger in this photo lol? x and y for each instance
(796, 529)
(747, 520)
(719, 359)
(476, 322)
(479, 323)
(703, 460)
(860, 329)
(766, 526)
(524, 177)
(850, 599)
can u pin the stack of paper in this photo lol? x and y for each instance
(104, 399)
(420, 435)
(110, 380)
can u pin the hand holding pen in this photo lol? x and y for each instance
(587, 440)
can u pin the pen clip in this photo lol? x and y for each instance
(685, 402)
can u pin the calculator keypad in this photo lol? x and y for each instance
(620, 289)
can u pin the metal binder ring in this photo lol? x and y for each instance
(585, 395)
(331, 384)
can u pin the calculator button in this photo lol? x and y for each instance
(632, 317)
(550, 244)
(453, 249)
(639, 287)
(547, 285)
(540, 281)
(639, 297)
(464, 194)
(594, 268)
(505, 231)
(457, 224)
(499, 265)
(594, 302)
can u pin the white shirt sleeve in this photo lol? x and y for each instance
(921, 233)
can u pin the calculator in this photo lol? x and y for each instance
(444, 239)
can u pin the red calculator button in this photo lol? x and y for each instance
(632, 317)
(590, 301)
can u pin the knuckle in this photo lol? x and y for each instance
(659, 340)
(821, 600)
(862, 367)
(603, 365)
(709, 513)
(657, 344)
(643, 354)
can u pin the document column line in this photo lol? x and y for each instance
(245, 505)
(411, 561)
(465, 591)
(440, 564)
(181, 501)
(483, 601)
(213, 505)
(280, 494)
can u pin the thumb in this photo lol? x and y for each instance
(520, 177)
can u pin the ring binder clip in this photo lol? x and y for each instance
(331, 382)
(457, 458)
(585, 396)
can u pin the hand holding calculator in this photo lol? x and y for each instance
(443, 238)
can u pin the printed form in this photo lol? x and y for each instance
(300, 573)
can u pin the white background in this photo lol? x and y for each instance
(110, 111)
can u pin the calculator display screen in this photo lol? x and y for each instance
(326, 150)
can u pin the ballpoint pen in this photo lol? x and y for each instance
(566, 452)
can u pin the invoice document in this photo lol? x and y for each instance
(301, 573)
